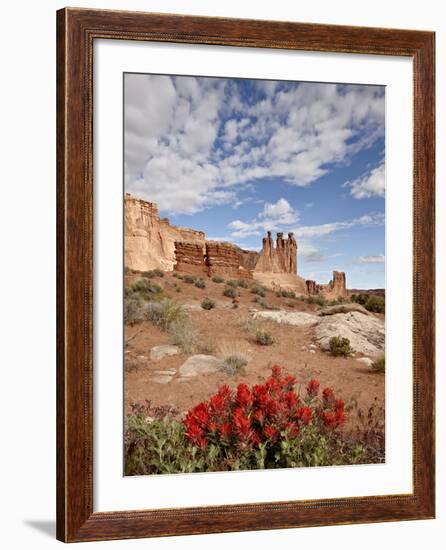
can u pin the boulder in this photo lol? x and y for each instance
(158, 352)
(366, 360)
(295, 318)
(199, 364)
(365, 332)
(343, 308)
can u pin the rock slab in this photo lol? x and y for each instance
(295, 318)
(199, 364)
(159, 352)
(366, 333)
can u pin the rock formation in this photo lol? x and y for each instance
(151, 242)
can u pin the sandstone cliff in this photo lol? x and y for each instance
(281, 258)
(149, 242)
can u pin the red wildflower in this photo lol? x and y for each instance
(340, 417)
(200, 414)
(225, 429)
(313, 387)
(289, 381)
(241, 421)
(276, 371)
(270, 432)
(259, 415)
(193, 432)
(244, 397)
(329, 419)
(292, 428)
(328, 394)
(291, 399)
(339, 405)
(305, 415)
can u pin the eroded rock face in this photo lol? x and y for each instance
(149, 242)
(336, 287)
(365, 332)
(223, 259)
(281, 258)
(190, 257)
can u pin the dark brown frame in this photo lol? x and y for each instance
(76, 31)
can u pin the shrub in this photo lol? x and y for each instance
(146, 289)
(360, 298)
(340, 346)
(164, 314)
(128, 271)
(178, 289)
(258, 289)
(133, 310)
(267, 425)
(190, 279)
(232, 283)
(199, 283)
(232, 364)
(242, 283)
(184, 335)
(379, 365)
(376, 304)
(207, 303)
(285, 294)
(153, 273)
(218, 279)
(318, 300)
(177, 275)
(263, 337)
(230, 292)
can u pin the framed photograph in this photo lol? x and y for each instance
(245, 275)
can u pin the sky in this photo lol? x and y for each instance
(236, 158)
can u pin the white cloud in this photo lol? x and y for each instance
(273, 216)
(378, 259)
(324, 229)
(310, 252)
(371, 184)
(190, 142)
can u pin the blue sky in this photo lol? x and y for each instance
(236, 158)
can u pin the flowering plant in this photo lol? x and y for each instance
(264, 416)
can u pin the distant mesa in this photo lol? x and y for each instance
(151, 242)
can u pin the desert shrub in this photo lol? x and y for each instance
(232, 364)
(164, 313)
(153, 273)
(218, 279)
(379, 365)
(340, 346)
(268, 425)
(199, 283)
(242, 283)
(190, 279)
(264, 305)
(285, 294)
(177, 275)
(207, 303)
(177, 289)
(133, 308)
(258, 289)
(230, 292)
(128, 271)
(234, 305)
(184, 335)
(232, 283)
(376, 304)
(318, 300)
(146, 289)
(290, 303)
(263, 337)
(360, 299)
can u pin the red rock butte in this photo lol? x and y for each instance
(151, 242)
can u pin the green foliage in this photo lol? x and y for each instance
(177, 275)
(207, 303)
(230, 292)
(199, 283)
(190, 279)
(152, 273)
(340, 346)
(163, 314)
(263, 337)
(232, 283)
(232, 364)
(218, 279)
(146, 289)
(258, 289)
(380, 364)
(318, 300)
(242, 283)
(285, 294)
(376, 304)
(184, 335)
(133, 308)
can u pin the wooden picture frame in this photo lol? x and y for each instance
(76, 31)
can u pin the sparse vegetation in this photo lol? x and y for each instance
(163, 314)
(376, 304)
(199, 283)
(232, 364)
(152, 273)
(340, 346)
(190, 279)
(133, 311)
(217, 279)
(258, 289)
(146, 289)
(242, 283)
(318, 300)
(264, 337)
(184, 335)
(282, 293)
(207, 303)
(379, 365)
(230, 292)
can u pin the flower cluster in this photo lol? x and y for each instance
(266, 413)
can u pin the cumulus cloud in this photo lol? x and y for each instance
(191, 142)
(371, 184)
(378, 259)
(273, 216)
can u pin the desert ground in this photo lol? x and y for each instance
(161, 375)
